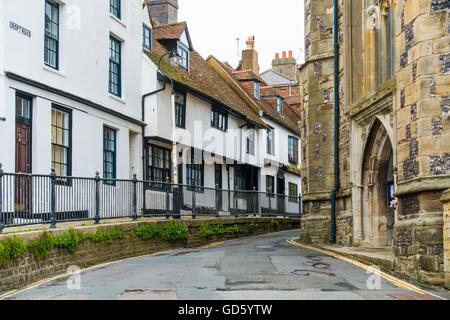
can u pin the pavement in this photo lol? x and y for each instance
(264, 267)
(381, 256)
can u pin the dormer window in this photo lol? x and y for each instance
(257, 89)
(280, 106)
(183, 51)
(147, 38)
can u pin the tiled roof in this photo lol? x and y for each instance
(245, 75)
(201, 76)
(169, 31)
(289, 122)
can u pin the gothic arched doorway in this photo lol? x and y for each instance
(377, 176)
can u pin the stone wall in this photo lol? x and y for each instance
(25, 271)
(423, 136)
(446, 201)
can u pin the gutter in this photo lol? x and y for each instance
(336, 123)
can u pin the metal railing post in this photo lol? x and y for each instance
(135, 197)
(97, 197)
(269, 195)
(254, 201)
(1, 199)
(235, 198)
(193, 201)
(217, 200)
(52, 199)
(300, 206)
(167, 198)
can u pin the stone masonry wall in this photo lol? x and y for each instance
(423, 135)
(25, 271)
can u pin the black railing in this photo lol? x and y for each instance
(29, 199)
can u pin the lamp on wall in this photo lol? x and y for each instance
(174, 59)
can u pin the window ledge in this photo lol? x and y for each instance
(54, 71)
(117, 20)
(117, 98)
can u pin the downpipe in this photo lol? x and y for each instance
(336, 123)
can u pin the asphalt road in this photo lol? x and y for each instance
(258, 268)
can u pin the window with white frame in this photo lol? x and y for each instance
(251, 142)
(270, 141)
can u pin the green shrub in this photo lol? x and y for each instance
(17, 247)
(149, 231)
(275, 224)
(42, 247)
(233, 230)
(4, 255)
(175, 231)
(106, 237)
(205, 231)
(252, 226)
(69, 240)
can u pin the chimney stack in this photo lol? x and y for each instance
(250, 56)
(286, 66)
(163, 11)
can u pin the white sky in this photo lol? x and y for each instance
(214, 26)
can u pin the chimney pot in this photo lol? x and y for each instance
(290, 54)
(284, 54)
(277, 56)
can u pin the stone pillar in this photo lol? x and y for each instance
(446, 204)
(317, 130)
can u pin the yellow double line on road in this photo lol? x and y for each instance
(11, 293)
(384, 275)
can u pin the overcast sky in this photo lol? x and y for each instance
(214, 26)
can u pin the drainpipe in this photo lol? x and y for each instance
(143, 128)
(336, 123)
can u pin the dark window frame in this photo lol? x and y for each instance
(180, 110)
(292, 197)
(239, 178)
(145, 37)
(184, 61)
(194, 169)
(215, 122)
(293, 158)
(50, 37)
(66, 181)
(280, 106)
(118, 64)
(114, 152)
(270, 192)
(115, 8)
(158, 184)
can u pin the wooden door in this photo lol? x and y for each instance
(218, 180)
(23, 165)
(281, 198)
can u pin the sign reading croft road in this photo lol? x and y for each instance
(20, 29)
